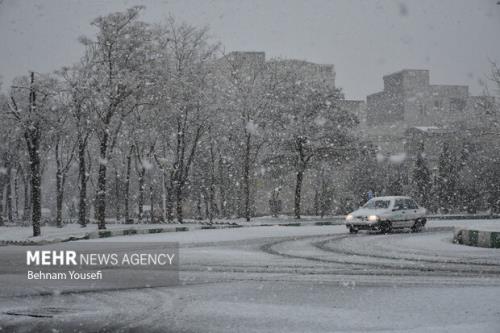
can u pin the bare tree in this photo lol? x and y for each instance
(184, 105)
(64, 146)
(246, 94)
(78, 83)
(120, 52)
(10, 152)
(31, 116)
(311, 126)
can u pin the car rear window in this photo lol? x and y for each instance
(412, 204)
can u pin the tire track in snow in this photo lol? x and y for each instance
(403, 267)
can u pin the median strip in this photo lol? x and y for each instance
(479, 238)
(119, 232)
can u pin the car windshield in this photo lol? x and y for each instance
(377, 204)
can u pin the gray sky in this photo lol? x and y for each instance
(455, 39)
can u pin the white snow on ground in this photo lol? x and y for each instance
(51, 233)
(433, 249)
(441, 242)
(19, 233)
(280, 219)
(492, 224)
(253, 306)
(221, 235)
(230, 284)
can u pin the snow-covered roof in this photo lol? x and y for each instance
(394, 197)
(407, 70)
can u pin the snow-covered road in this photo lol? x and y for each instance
(289, 279)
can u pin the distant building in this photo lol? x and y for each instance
(319, 73)
(357, 108)
(409, 100)
(316, 72)
(243, 57)
(312, 72)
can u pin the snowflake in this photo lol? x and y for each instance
(398, 158)
(147, 165)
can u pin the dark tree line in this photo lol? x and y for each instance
(157, 117)
(156, 123)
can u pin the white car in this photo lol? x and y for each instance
(386, 214)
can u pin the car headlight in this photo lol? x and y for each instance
(373, 218)
(348, 217)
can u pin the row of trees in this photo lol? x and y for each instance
(464, 175)
(467, 178)
(159, 116)
(154, 112)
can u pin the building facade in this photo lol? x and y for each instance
(324, 73)
(409, 100)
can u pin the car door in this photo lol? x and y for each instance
(398, 214)
(410, 212)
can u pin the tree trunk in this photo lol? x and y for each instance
(36, 193)
(127, 187)
(298, 189)
(246, 177)
(208, 213)
(324, 200)
(59, 198)
(211, 202)
(316, 202)
(101, 184)
(82, 171)
(151, 203)
(164, 197)
(27, 200)
(2, 185)
(16, 195)
(8, 192)
(199, 215)
(32, 136)
(179, 203)
(211, 192)
(222, 190)
(59, 188)
(117, 195)
(169, 205)
(140, 202)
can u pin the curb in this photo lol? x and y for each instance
(114, 233)
(133, 231)
(479, 238)
(464, 217)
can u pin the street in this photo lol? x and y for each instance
(288, 279)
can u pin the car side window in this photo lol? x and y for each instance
(398, 205)
(412, 204)
(406, 204)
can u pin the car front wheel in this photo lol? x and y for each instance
(353, 230)
(386, 227)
